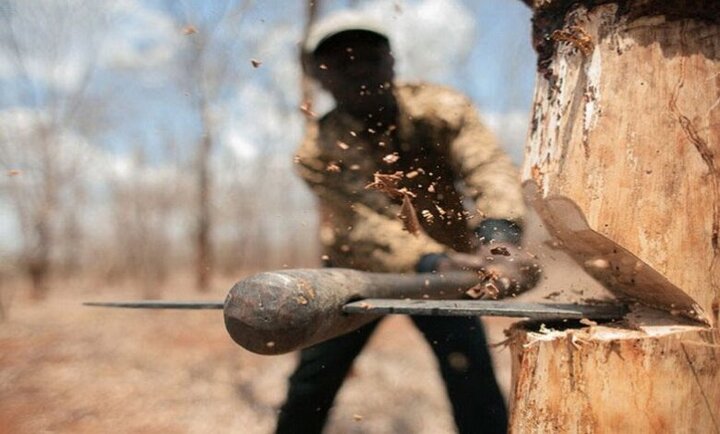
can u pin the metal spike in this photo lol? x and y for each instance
(157, 304)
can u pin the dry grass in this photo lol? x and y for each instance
(68, 368)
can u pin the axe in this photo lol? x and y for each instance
(281, 311)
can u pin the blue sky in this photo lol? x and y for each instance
(136, 99)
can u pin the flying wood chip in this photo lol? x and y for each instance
(500, 250)
(387, 183)
(484, 291)
(575, 36)
(409, 216)
(391, 158)
(306, 109)
(427, 215)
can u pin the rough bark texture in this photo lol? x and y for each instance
(623, 152)
(623, 165)
(661, 378)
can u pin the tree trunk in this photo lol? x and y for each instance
(622, 164)
(203, 245)
(38, 262)
(661, 378)
(623, 157)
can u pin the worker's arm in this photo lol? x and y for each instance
(492, 182)
(373, 230)
(491, 179)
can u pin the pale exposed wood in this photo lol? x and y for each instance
(623, 154)
(662, 378)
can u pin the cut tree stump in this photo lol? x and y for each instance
(623, 166)
(661, 378)
(623, 154)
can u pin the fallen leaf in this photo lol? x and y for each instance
(189, 30)
(13, 172)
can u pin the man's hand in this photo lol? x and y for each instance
(506, 270)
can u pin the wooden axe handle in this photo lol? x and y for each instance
(282, 311)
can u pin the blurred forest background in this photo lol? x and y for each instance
(141, 139)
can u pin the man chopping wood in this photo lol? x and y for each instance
(407, 179)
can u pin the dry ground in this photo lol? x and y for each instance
(68, 368)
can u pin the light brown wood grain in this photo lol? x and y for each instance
(662, 378)
(623, 154)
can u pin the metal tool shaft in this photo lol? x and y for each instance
(538, 311)
(281, 311)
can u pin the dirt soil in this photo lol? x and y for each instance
(69, 368)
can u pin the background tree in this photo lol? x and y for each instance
(51, 47)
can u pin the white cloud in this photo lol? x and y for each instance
(9, 232)
(73, 156)
(139, 37)
(239, 144)
(511, 130)
(59, 43)
(429, 37)
(50, 42)
(26, 135)
(256, 119)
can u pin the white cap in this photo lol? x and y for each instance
(340, 22)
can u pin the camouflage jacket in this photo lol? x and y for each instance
(449, 160)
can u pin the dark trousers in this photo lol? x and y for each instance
(461, 350)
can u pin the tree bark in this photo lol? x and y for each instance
(622, 164)
(623, 155)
